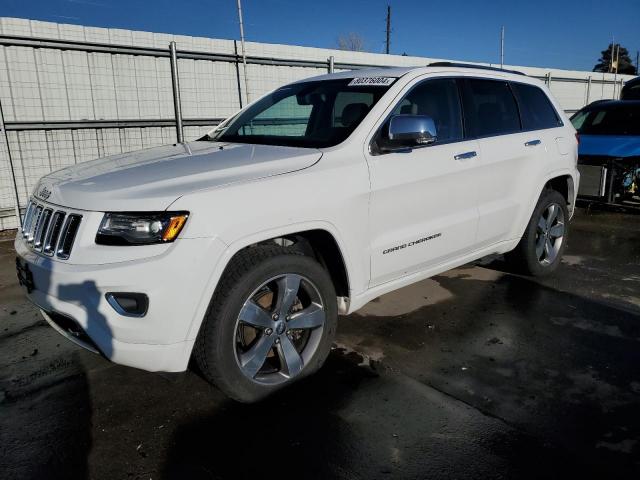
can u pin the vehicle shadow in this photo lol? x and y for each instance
(294, 434)
(46, 427)
(87, 295)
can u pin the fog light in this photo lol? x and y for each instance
(128, 304)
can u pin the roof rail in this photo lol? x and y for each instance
(470, 65)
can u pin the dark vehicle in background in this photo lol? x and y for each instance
(631, 90)
(609, 151)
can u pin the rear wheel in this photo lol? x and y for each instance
(271, 322)
(541, 247)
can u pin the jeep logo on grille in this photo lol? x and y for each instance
(44, 193)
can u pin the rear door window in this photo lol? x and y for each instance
(489, 108)
(536, 110)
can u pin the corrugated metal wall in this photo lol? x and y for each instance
(71, 93)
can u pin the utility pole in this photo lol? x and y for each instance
(615, 75)
(502, 47)
(244, 56)
(613, 42)
(388, 43)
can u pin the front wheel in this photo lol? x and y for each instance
(271, 322)
(541, 247)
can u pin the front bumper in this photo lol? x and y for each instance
(174, 281)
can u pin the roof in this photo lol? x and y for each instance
(397, 72)
(632, 82)
(611, 103)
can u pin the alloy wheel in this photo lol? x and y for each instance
(550, 232)
(279, 329)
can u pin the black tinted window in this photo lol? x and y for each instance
(617, 119)
(631, 92)
(439, 100)
(535, 108)
(489, 108)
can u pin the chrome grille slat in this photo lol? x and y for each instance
(28, 215)
(50, 231)
(34, 224)
(68, 236)
(41, 231)
(51, 240)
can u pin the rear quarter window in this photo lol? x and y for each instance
(536, 110)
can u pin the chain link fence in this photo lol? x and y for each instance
(69, 93)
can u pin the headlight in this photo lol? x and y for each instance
(140, 228)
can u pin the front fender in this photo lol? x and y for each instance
(251, 239)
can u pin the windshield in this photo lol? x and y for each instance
(308, 114)
(608, 120)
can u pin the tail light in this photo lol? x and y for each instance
(577, 138)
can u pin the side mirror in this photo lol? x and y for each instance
(406, 131)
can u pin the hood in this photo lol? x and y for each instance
(610, 145)
(152, 179)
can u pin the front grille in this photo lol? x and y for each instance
(50, 231)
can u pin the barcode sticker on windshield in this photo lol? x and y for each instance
(375, 81)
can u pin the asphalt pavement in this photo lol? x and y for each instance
(476, 373)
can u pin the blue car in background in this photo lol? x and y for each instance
(609, 151)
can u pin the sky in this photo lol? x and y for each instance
(547, 33)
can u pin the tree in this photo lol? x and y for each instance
(605, 64)
(352, 42)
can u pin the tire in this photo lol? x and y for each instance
(540, 249)
(244, 346)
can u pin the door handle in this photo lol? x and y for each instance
(532, 143)
(466, 155)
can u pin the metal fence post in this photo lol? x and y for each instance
(620, 89)
(237, 64)
(588, 90)
(13, 172)
(175, 82)
(331, 61)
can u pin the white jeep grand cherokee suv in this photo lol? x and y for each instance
(241, 248)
